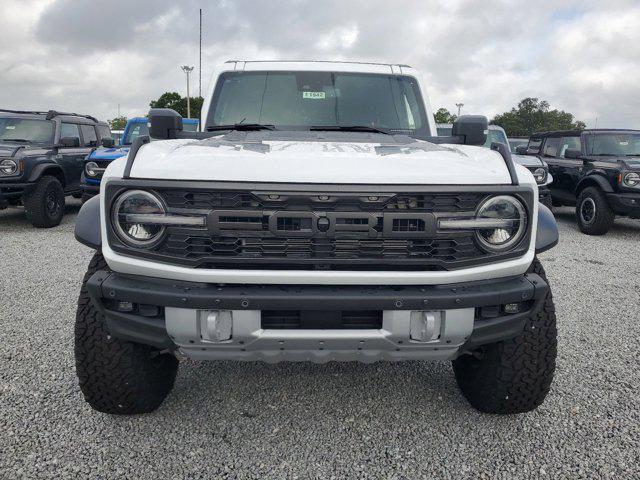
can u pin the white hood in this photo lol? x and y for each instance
(319, 162)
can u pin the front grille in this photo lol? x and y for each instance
(334, 230)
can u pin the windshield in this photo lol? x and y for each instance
(142, 128)
(614, 144)
(515, 143)
(495, 135)
(300, 100)
(24, 130)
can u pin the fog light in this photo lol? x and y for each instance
(511, 307)
(124, 307)
(426, 327)
(215, 325)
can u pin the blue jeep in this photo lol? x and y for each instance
(99, 159)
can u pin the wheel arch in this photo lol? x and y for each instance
(51, 169)
(594, 180)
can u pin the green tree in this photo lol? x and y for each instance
(444, 116)
(118, 123)
(534, 115)
(178, 103)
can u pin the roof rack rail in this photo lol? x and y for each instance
(32, 112)
(50, 114)
(54, 113)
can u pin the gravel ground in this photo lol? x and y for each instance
(401, 420)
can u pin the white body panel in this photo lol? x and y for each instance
(321, 162)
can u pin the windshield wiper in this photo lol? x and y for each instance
(19, 140)
(247, 127)
(347, 128)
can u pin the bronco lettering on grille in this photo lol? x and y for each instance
(323, 224)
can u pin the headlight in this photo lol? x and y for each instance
(502, 223)
(631, 179)
(92, 169)
(540, 174)
(133, 216)
(8, 167)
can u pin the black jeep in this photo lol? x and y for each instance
(596, 170)
(42, 158)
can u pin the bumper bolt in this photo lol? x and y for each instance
(244, 303)
(398, 303)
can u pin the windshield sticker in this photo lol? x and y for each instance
(10, 127)
(314, 95)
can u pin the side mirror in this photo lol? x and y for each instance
(572, 153)
(472, 127)
(164, 123)
(522, 149)
(108, 142)
(70, 142)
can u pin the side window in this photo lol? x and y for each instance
(104, 131)
(551, 147)
(89, 135)
(534, 145)
(569, 142)
(69, 130)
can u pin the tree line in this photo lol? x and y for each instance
(171, 100)
(529, 116)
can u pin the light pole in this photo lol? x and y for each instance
(459, 105)
(187, 69)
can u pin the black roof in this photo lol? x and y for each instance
(50, 114)
(574, 133)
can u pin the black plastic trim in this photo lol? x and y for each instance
(137, 143)
(503, 150)
(169, 293)
(547, 235)
(87, 230)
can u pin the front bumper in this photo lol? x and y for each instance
(10, 190)
(173, 315)
(625, 203)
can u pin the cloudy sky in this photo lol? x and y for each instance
(89, 56)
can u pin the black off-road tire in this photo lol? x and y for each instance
(601, 219)
(515, 375)
(116, 376)
(44, 204)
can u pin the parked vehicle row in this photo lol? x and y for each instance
(42, 156)
(595, 170)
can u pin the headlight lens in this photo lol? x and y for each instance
(631, 179)
(8, 167)
(507, 218)
(132, 231)
(540, 174)
(91, 169)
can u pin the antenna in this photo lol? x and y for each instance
(200, 54)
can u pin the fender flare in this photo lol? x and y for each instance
(87, 230)
(596, 178)
(39, 169)
(547, 235)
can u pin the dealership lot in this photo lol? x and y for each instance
(393, 420)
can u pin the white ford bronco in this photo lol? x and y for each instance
(317, 217)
